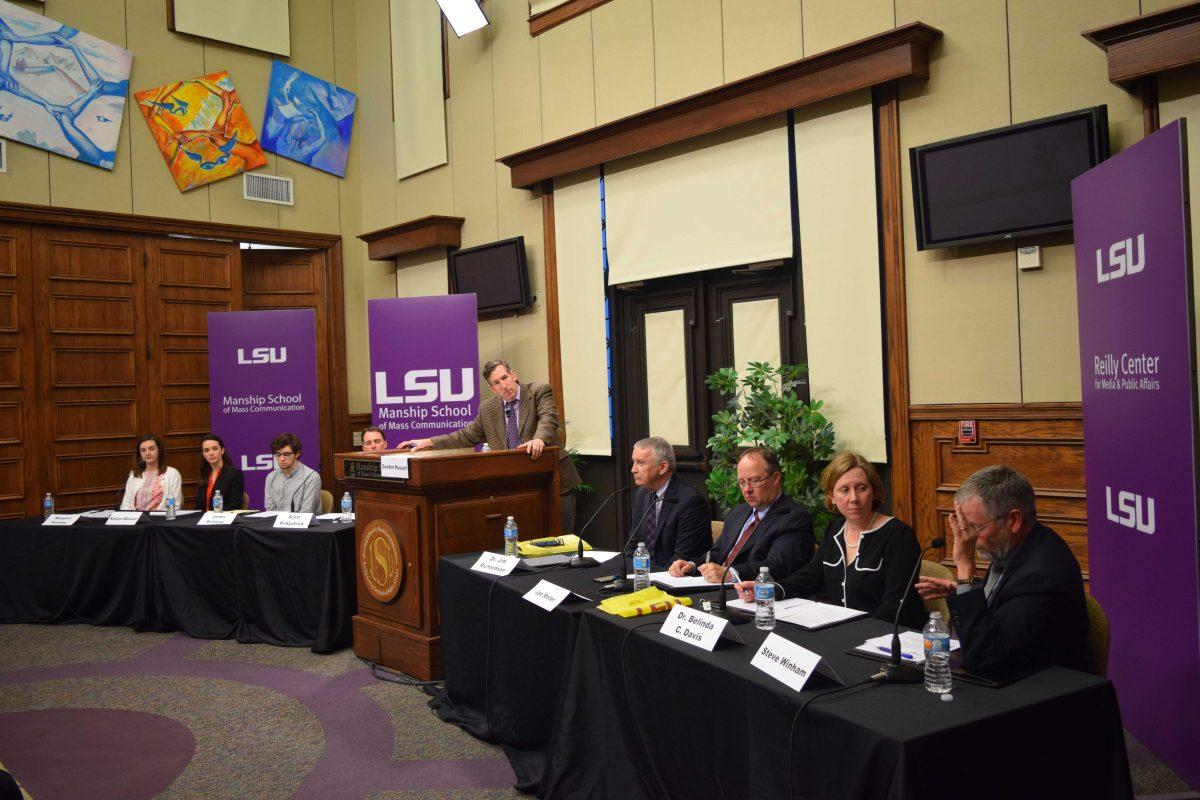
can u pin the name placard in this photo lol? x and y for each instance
(61, 519)
(393, 466)
(124, 518)
(217, 518)
(495, 564)
(786, 662)
(547, 595)
(694, 627)
(292, 520)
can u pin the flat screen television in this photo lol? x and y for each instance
(496, 273)
(1006, 183)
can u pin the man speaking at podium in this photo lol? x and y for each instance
(518, 416)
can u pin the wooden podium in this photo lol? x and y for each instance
(453, 501)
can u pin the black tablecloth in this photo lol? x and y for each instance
(588, 696)
(247, 581)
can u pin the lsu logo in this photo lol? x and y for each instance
(263, 355)
(1123, 259)
(262, 463)
(1133, 510)
(427, 386)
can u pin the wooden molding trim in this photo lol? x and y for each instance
(132, 223)
(886, 102)
(898, 53)
(540, 23)
(550, 267)
(1149, 93)
(1149, 44)
(979, 411)
(414, 235)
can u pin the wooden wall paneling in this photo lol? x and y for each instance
(1043, 441)
(186, 279)
(89, 296)
(20, 459)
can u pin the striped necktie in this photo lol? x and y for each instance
(737, 548)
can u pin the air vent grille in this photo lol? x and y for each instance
(267, 188)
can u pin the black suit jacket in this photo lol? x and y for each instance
(783, 542)
(230, 483)
(684, 530)
(1037, 615)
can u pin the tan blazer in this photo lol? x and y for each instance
(537, 419)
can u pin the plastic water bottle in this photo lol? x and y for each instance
(937, 654)
(218, 502)
(171, 507)
(347, 507)
(47, 506)
(641, 567)
(510, 538)
(764, 600)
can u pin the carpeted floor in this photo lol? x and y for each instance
(89, 712)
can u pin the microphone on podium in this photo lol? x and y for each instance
(895, 671)
(620, 583)
(579, 559)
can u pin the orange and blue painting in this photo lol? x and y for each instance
(202, 129)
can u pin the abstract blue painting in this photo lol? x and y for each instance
(60, 89)
(308, 119)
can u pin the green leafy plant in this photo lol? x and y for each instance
(763, 408)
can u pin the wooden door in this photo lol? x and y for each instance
(275, 279)
(186, 279)
(20, 453)
(91, 350)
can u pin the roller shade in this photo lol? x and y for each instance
(716, 201)
(418, 99)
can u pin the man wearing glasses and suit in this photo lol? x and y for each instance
(767, 530)
(518, 416)
(678, 527)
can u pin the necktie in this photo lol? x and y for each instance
(510, 425)
(737, 548)
(995, 575)
(651, 525)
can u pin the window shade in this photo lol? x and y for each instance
(716, 201)
(581, 312)
(418, 99)
(835, 178)
(538, 6)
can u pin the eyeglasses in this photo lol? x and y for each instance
(744, 482)
(284, 454)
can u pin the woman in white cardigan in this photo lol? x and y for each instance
(152, 482)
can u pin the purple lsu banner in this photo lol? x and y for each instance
(1137, 361)
(424, 362)
(262, 372)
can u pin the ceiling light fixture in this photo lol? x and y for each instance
(464, 16)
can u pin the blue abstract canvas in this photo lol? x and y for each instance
(60, 89)
(308, 119)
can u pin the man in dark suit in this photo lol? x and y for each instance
(518, 416)
(768, 530)
(1029, 610)
(678, 527)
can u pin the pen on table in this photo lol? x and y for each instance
(888, 650)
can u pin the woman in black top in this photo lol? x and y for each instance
(865, 558)
(217, 474)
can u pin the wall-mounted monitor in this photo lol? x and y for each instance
(496, 273)
(1007, 183)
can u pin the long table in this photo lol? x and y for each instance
(246, 581)
(590, 705)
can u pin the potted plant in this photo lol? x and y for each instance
(763, 409)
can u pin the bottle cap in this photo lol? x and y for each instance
(761, 570)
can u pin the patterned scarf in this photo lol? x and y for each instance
(150, 496)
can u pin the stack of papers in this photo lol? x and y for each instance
(912, 646)
(686, 582)
(807, 614)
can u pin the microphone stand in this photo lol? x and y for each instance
(895, 671)
(620, 583)
(579, 560)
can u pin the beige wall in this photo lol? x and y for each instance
(979, 331)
